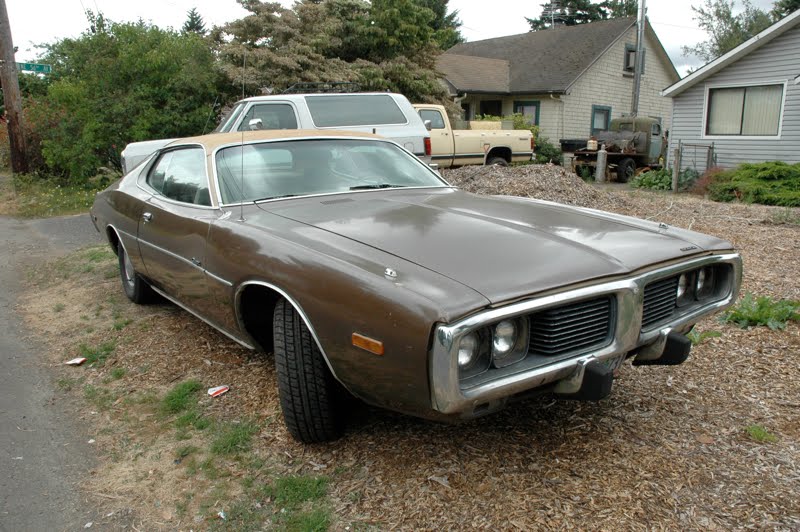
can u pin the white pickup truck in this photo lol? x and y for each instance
(459, 147)
(387, 114)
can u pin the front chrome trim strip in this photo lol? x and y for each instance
(447, 395)
(219, 279)
(297, 308)
(201, 318)
(171, 254)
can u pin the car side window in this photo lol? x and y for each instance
(437, 122)
(272, 116)
(180, 175)
(656, 130)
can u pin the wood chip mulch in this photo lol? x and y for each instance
(668, 450)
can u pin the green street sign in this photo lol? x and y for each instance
(35, 67)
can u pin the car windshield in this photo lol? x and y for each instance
(270, 170)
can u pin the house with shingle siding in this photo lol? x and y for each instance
(570, 81)
(746, 103)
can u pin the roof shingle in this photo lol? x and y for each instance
(537, 61)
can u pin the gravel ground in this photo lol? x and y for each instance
(668, 450)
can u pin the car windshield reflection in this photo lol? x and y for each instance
(272, 170)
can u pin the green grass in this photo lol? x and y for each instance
(97, 355)
(185, 450)
(294, 490)
(35, 197)
(194, 419)
(58, 307)
(698, 337)
(234, 438)
(118, 373)
(760, 434)
(752, 311)
(100, 397)
(180, 397)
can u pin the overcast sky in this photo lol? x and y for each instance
(45, 21)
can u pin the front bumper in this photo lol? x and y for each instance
(450, 397)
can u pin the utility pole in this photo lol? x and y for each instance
(637, 76)
(11, 95)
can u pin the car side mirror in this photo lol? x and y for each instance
(428, 125)
(255, 124)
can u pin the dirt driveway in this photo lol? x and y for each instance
(672, 448)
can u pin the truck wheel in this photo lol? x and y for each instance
(310, 396)
(496, 161)
(626, 170)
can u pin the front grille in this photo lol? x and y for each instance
(660, 299)
(571, 328)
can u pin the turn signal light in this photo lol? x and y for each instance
(368, 344)
(427, 145)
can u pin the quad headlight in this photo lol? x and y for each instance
(498, 345)
(705, 282)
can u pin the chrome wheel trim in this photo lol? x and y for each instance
(128, 273)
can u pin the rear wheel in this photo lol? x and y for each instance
(626, 170)
(310, 396)
(134, 286)
(496, 161)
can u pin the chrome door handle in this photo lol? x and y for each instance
(147, 217)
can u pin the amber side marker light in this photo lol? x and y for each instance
(368, 344)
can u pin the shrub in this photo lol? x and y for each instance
(546, 152)
(763, 311)
(769, 183)
(662, 179)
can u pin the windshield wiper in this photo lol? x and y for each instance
(277, 197)
(382, 185)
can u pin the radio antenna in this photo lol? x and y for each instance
(241, 169)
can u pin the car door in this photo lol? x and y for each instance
(442, 147)
(174, 225)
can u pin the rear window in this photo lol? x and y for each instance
(359, 110)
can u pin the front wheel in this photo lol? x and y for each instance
(310, 396)
(134, 286)
(626, 170)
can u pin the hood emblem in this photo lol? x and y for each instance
(690, 248)
(390, 273)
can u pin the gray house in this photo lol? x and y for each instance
(745, 105)
(570, 81)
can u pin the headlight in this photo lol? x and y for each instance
(683, 285)
(473, 354)
(505, 336)
(705, 282)
(509, 342)
(468, 350)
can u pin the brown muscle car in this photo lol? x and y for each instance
(367, 274)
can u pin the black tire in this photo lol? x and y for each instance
(133, 285)
(310, 396)
(496, 161)
(626, 170)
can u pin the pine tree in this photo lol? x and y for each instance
(194, 22)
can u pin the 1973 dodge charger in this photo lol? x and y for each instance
(367, 274)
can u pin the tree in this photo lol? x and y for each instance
(783, 8)
(574, 12)
(194, 23)
(446, 26)
(381, 45)
(119, 83)
(726, 30)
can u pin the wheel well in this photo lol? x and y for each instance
(256, 306)
(503, 152)
(113, 239)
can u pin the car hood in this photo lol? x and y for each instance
(502, 247)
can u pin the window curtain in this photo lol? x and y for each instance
(762, 108)
(725, 111)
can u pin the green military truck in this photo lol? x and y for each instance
(632, 144)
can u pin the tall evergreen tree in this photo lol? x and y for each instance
(194, 23)
(574, 12)
(783, 8)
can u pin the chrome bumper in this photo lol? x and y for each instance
(448, 396)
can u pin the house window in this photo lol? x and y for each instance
(466, 109)
(491, 107)
(746, 111)
(601, 118)
(629, 60)
(529, 109)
